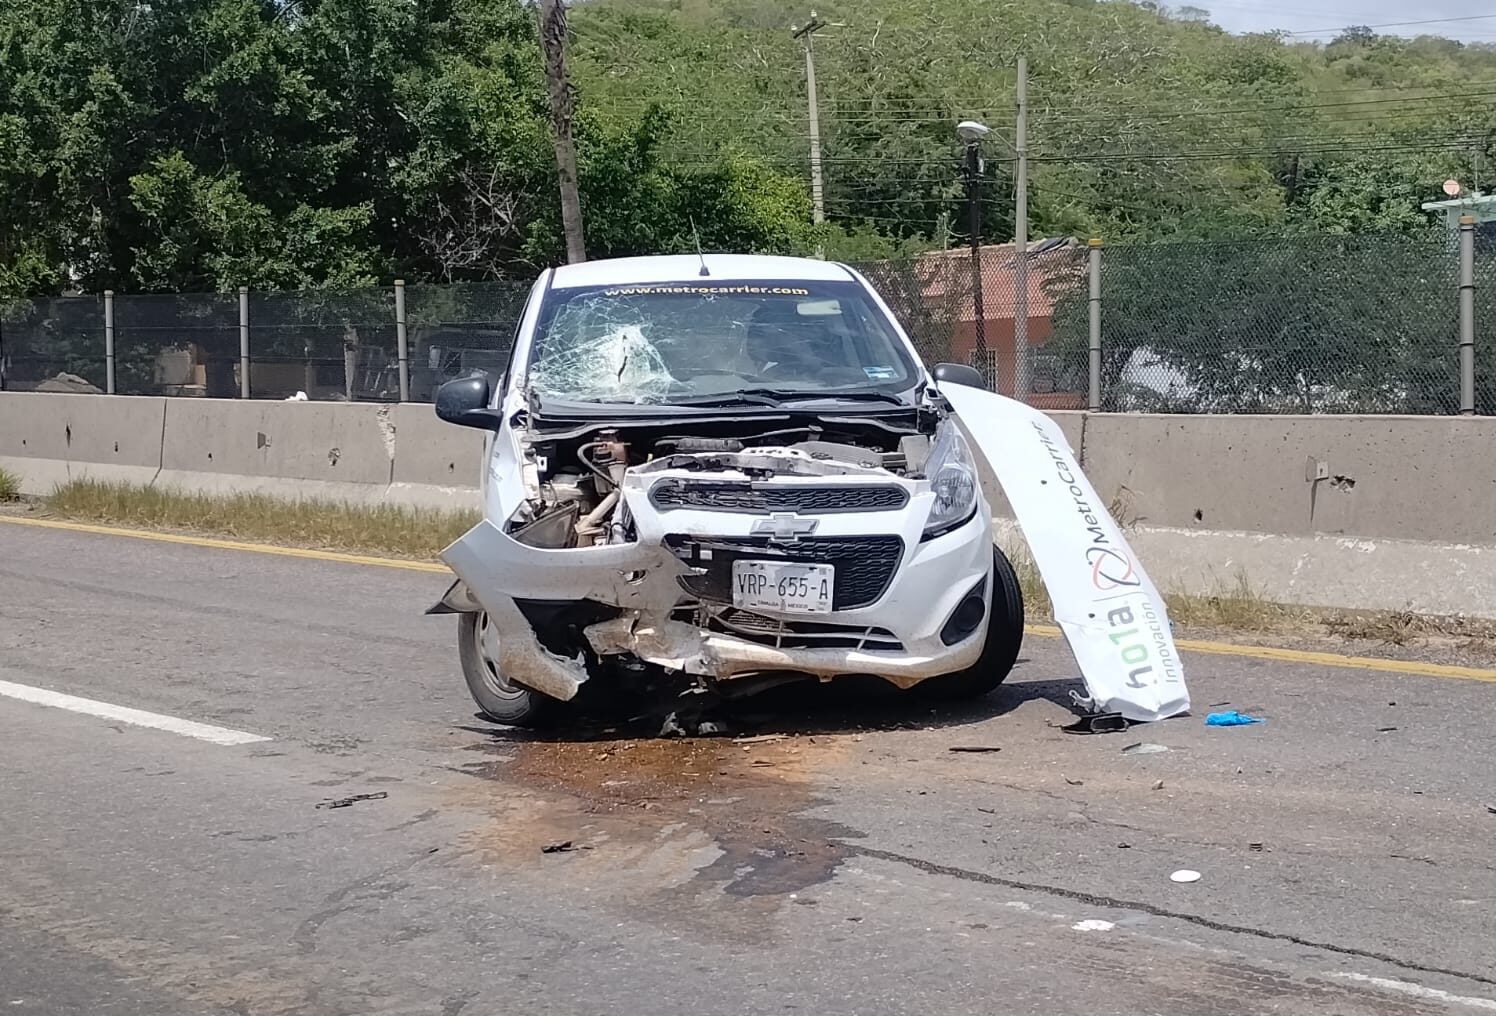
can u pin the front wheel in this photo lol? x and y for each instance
(1003, 640)
(498, 699)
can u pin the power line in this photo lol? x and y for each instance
(1248, 153)
(1397, 24)
(1135, 116)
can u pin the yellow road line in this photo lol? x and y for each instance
(1405, 667)
(253, 548)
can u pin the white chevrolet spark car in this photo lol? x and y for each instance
(729, 471)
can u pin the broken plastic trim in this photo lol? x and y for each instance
(456, 600)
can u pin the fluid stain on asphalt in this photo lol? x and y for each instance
(749, 800)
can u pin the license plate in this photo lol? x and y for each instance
(782, 586)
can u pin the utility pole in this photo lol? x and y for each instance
(971, 134)
(806, 35)
(974, 218)
(553, 47)
(1022, 355)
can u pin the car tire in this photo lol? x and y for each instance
(1000, 649)
(498, 700)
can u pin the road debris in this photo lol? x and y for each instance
(1185, 875)
(1144, 748)
(1420, 858)
(759, 739)
(1385, 730)
(1257, 847)
(565, 847)
(344, 802)
(1100, 723)
(975, 748)
(1073, 783)
(1158, 784)
(1231, 719)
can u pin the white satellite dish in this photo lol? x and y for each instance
(1452, 188)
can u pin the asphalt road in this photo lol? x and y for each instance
(1347, 846)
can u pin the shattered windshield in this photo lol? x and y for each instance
(686, 343)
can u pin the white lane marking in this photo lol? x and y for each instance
(1409, 988)
(138, 717)
(1092, 926)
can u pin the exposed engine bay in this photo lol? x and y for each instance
(576, 481)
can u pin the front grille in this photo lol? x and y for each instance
(761, 499)
(865, 565)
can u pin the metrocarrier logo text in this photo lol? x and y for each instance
(1137, 631)
(706, 291)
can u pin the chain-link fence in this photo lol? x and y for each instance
(325, 344)
(1288, 325)
(1301, 325)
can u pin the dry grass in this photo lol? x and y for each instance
(10, 486)
(1233, 605)
(373, 529)
(1401, 628)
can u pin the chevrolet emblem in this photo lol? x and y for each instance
(784, 527)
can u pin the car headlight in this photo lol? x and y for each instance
(953, 479)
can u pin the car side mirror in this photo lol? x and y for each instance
(960, 374)
(464, 401)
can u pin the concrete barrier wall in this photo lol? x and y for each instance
(1393, 477)
(329, 450)
(436, 464)
(48, 439)
(1373, 512)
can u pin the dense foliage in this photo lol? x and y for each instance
(202, 144)
(205, 144)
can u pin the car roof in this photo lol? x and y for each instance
(687, 268)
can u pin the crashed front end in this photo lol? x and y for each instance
(728, 557)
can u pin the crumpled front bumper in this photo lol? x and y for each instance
(643, 580)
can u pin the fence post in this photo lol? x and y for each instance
(244, 342)
(1093, 271)
(109, 341)
(1467, 315)
(402, 349)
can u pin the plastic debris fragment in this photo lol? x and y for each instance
(1231, 719)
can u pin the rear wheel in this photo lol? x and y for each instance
(498, 699)
(999, 650)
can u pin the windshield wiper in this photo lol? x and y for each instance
(756, 396)
(850, 396)
(779, 396)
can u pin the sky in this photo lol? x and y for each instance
(1322, 20)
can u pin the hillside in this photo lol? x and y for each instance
(1143, 125)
